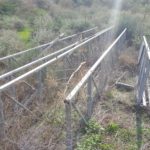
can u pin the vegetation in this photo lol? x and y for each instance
(30, 18)
(26, 23)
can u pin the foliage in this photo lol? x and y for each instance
(25, 34)
(126, 135)
(129, 22)
(12, 22)
(92, 140)
(57, 24)
(93, 127)
(78, 26)
(43, 4)
(35, 22)
(109, 94)
(83, 2)
(112, 128)
(8, 7)
(9, 42)
(55, 117)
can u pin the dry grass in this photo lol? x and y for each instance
(40, 130)
(128, 59)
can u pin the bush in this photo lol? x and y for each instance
(19, 25)
(132, 24)
(25, 34)
(93, 137)
(83, 2)
(43, 4)
(42, 22)
(93, 127)
(57, 24)
(126, 135)
(79, 26)
(9, 42)
(42, 36)
(112, 128)
(8, 7)
(108, 3)
(12, 22)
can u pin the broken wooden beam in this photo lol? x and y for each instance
(124, 86)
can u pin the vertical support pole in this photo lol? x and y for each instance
(109, 36)
(44, 72)
(143, 80)
(89, 98)
(90, 54)
(82, 37)
(68, 118)
(141, 52)
(40, 84)
(64, 68)
(13, 91)
(2, 132)
(139, 126)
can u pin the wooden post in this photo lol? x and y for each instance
(142, 81)
(2, 133)
(40, 83)
(13, 91)
(89, 98)
(65, 68)
(68, 118)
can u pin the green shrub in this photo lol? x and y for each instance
(112, 128)
(109, 94)
(57, 24)
(9, 42)
(25, 34)
(8, 7)
(19, 25)
(132, 24)
(92, 139)
(79, 26)
(42, 36)
(83, 2)
(92, 127)
(106, 147)
(126, 135)
(90, 142)
(12, 22)
(43, 4)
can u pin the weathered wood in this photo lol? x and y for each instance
(17, 102)
(89, 98)
(125, 86)
(2, 132)
(80, 113)
(142, 87)
(69, 136)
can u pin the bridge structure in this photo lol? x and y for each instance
(98, 51)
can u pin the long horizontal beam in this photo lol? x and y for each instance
(92, 69)
(29, 73)
(28, 50)
(43, 46)
(71, 36)
(36, 61)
